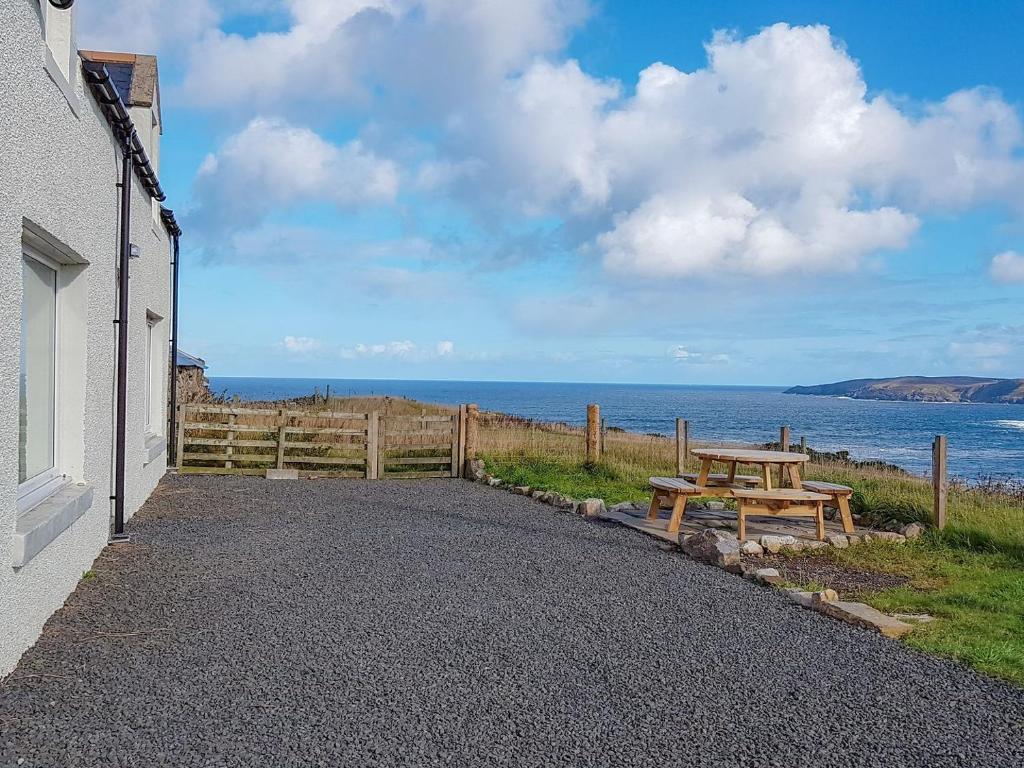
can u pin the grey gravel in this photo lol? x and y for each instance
(414, 623)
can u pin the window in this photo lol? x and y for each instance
(154, 374)
(150, 324)
(38, 473)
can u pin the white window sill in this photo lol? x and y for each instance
(154, 448)
(48, 520)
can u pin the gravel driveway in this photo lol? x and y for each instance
(417, 623)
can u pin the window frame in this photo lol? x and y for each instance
(147, 422)
(37, 488)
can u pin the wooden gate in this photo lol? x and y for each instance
(223, 439)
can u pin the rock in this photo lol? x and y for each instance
(824, 596)
(476, 469)
(536, 494)
(839, 541)
(892, 525)
(890, 536)
(798, 545)
(623, 506)
(718, 506)
(546, 497)
(862, 615)
(867, 537)
(568, 504)
(714, 547)
(751, 548)
(282, 474)
(799, 597)
(495, 482)
(522, 490)
(591, 508)
(853, 539)
(815, 544)
(912, 531)
(774, 544)
(768, 576)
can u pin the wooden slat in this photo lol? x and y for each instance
(372, 446)
(360, 445)
(391, 461)
(262, 457)
(443, 434)
(339, 415)
(228, 409)
(323, 430)
(232, 443)
(219, 426)
(323, 460)
(417, 446)
(391, 419)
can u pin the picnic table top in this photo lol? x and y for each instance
(750, 456)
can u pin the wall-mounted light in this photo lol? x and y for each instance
(134, 251)
(62, 5)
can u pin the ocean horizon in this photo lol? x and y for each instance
(985, 440)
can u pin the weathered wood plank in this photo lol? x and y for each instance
(225, 457)
(399, 419)
(236, 443)
(220, 426)
(391, 461)
(293, 430)
(358, 445)
(324, 460)
(414, 475)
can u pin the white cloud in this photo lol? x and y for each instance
(144, 26)
(399, 350)
(683, 355)
(771, 159)
(301, 344)
(271, 164)
(1007, 267)
(994, 349)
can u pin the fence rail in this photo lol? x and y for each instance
(216, 439)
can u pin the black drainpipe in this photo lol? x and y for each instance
(173, 441)
(122, 340)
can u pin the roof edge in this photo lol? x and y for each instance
(120, 121)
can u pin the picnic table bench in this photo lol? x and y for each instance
(804, 499)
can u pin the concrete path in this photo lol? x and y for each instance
(345, 623)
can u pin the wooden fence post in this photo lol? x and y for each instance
(682, 445)
(940, 481)
(783, 446)
(472, 433)
(803, 444)
(179, 443)
(372, 441)
(282, 435)
(460, 457)
(593, 433)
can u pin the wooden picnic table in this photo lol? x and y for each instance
(733, 457)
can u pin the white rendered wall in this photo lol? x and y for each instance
(58, 169)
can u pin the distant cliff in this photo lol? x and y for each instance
(923, 389)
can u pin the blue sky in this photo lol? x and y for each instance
(661, 192)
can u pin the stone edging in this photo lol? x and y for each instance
(722, 549)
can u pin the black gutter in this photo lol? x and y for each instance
(171, 224)
(62, 5)
(98, 78)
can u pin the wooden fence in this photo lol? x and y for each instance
(220, 439)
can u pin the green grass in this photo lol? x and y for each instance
(970, 577)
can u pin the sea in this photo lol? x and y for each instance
(985, 440)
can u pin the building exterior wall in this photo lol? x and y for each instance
(59, 165)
